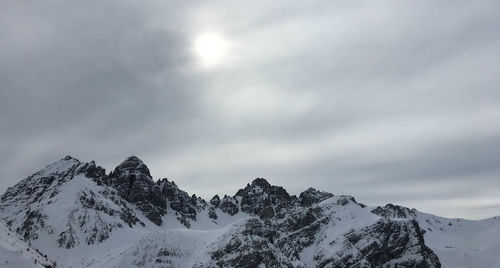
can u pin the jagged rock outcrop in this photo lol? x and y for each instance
(252, 248)
(259, 195)
(134, 183)
(186, 206)
(229, 205)
(383, 244)
(393, 211)
(299, 228)
(313, 196)
(215, 201)
(92, 171)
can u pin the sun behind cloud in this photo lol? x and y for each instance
(210, 49)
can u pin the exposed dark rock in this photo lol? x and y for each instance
(186, 206)
(267, 213)
(134, 183)
(215, 201)
(383, 244)
(260, 194)
(97, 173)
(33, 222)
(313, 196)
(299, 228)
(393, 211)
(67, 239)
(90, 201)
(212, 214)
(132, 180)
(346, 199)
(229, 205)
(251, 249)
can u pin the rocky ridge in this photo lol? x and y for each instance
(73, 206)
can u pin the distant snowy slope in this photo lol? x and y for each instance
(463, 243)
(16, 253)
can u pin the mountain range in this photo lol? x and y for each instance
(75, 214)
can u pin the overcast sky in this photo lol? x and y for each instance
(388, 101)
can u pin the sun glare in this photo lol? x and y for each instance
(210, 49)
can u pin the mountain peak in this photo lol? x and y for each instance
(312, 196)
(133, 165)
(68, 157)
(64, 165)
(261, 182)
(133, 158)
(261, 196)
(134, 183)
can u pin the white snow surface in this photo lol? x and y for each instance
(462, 243)
(457, 242)
(15, 253)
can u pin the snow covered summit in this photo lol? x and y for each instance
(80, 216)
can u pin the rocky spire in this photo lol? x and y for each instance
(133, 165)
(262, 197)
(133, 182)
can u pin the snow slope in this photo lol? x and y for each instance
(463, 243)
(16, 253)
(82, 217)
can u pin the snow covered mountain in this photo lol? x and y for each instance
(80, 216)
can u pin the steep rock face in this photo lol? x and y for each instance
(94, 172)
(299, 229)
(229, 205)
(383, 244)
(393, 211)
(250, 245)
(313, 196)
(134, 183)
(215, 201)
(258, 195)
(186, 206)
(132, 180)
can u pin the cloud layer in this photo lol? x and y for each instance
(388, 101)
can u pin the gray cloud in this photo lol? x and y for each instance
(390, 102)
